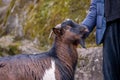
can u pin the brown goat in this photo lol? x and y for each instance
(57, 64)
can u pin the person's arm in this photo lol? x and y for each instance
(90, 20)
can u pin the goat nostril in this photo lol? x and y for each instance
(84, 30)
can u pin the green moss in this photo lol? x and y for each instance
(14, 49)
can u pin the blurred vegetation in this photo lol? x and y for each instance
(43, 15)
(49, 13)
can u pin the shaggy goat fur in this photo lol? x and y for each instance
(61, 59)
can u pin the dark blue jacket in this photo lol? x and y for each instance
(95, 17)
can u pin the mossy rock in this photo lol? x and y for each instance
(14, 49)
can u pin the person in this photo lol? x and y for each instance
(105, 16)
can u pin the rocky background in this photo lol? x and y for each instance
(25, 26)
(89, 64)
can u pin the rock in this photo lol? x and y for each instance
(5, 41)
(8, 46)
(89, 64)
(29, 47)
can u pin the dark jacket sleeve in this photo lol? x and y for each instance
(90, 20)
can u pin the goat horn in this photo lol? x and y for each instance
(58, 26)
(50, 34)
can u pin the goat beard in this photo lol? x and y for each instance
(82, 43)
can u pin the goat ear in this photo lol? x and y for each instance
(56, 31)
(62, 31)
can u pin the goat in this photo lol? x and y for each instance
(57, 64)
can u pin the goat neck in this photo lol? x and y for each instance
(66, 53)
